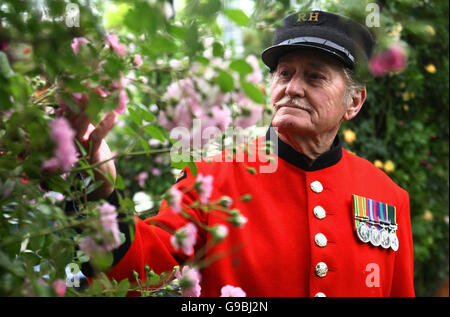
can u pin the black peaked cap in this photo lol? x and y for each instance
(339, 36)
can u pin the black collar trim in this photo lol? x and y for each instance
(287, 153)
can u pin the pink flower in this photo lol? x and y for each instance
(185, 238)
(156, 172)
(141, 178)
(109, 235)
(175, 199)
(138, 60)
(257, 76)
(65, 154)
(205, 187)
(113, 41)
(59, 286)
(392, 60)
(231, 291)
(189, 279)
(76, 44)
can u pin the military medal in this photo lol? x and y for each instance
(375, 222)
(375, 234)
(361, 219)
(392, 217)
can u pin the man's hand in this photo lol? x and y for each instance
(93, 140)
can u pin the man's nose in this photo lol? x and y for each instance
(296, 87)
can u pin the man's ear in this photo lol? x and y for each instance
(355, 104)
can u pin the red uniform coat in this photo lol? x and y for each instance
(275, 253)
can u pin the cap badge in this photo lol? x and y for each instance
(308, 17)
(375, 222)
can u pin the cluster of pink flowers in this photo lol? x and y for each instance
(112, 41)
(392, 60)
(65, 154)
(185, 239)
(109, 234)
(199, 97)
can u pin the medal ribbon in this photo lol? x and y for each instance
(392, 216)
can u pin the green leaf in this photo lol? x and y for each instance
(218, 50)
(241, 66)
(145, 112)
(155, 132)
(122, 288)
(252, 92)
(237, 16)
(225, 81)
(192, 168)
(5, 68)
(144, 145)
(119, 184)
(135, 116)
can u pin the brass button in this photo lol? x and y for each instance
(316, 187)
(319, 212)
(320, 240)
(321, 269)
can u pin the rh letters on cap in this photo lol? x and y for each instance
(308, 17)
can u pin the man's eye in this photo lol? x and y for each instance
(284, 73)
(316, 76)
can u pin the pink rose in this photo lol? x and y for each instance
(110, 236)
(138, 60)
(392, 60)
(76, 44)
(113, 41)
(189, 279)
(65, 155)
(59, 286)
(185, 239)
(231, 291)
(175, 199)
(141, 178)
(205, 187)
(257, 76)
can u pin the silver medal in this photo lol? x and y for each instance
(385, 241)
(375, 236)
(363, 232)
(394, 240)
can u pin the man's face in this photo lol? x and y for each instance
(317, 84)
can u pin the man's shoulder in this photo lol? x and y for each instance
(367, 171)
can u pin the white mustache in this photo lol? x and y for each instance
(287, 101)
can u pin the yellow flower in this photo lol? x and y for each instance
(389, 166)
(406, 96)
(406, 107)
(430, 30)
(430, 68)
(349, 136)
(412, 94)
(428, 215)
(378, 163)
(402, 85)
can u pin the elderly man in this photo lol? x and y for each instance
(325, 222)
